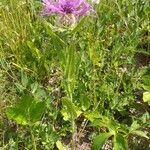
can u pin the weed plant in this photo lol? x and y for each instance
(65, 88)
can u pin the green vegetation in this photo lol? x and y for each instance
(67, 88)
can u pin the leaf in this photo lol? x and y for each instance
(34, 49)
(100, 123)
(40, 93)
(18, 115)
(140, 133)
(92, 116)
(93, 55)
(70, 68)
(120, 142)
(24, 79)
(100, 140)
(34, 87)
(70, 62)
(134, 126)
(26, 111)
(69, 109)
(24, 103)
(85, 102)
(19, 112)
(146, 96)
(109, 123)
(146, 82)
(20, 87)
(60, 146)
(145, 117)
(79, 25)
(36, 111)
(55, 37)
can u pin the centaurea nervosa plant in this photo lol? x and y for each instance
(68, 10)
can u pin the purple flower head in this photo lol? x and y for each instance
(63, 7)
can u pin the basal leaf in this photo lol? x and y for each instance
(36, 111)
(26, 111)
(17, 114)
(25, 102)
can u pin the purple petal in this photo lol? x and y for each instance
(77, 3)
(83, 9)
(51, 7)
(62, 2)
(76, 7)
(48, 2)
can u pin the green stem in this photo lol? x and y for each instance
(73, 126)
(73, 136)
(33, 138)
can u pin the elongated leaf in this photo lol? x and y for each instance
(99, 140)
(24, 79)
(79, 25)
(70, 62)
(140, 133)
(60, 146)
(69, 109)
(134, 126)
(54, 36)
(120, 142)
(34, 49)
(85, 101)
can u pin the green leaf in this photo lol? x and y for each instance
(34, 87)
(100, 140)
(40, 93)
(93, 55)
(26, 111)
(70, 68)
(19, 112)
(24, 103)
(34, 49)
(55, 37)
(140, 133)
(60, 146)
(69, 109)
(134, 126)
(85, 102)
(79, 25)
(92, 115)
(20, 87)
(146, 96)
(146, 82)
(36, 111)
(24, 79)
(120, 142)
(18, 115)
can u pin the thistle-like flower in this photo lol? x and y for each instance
(68, 10)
